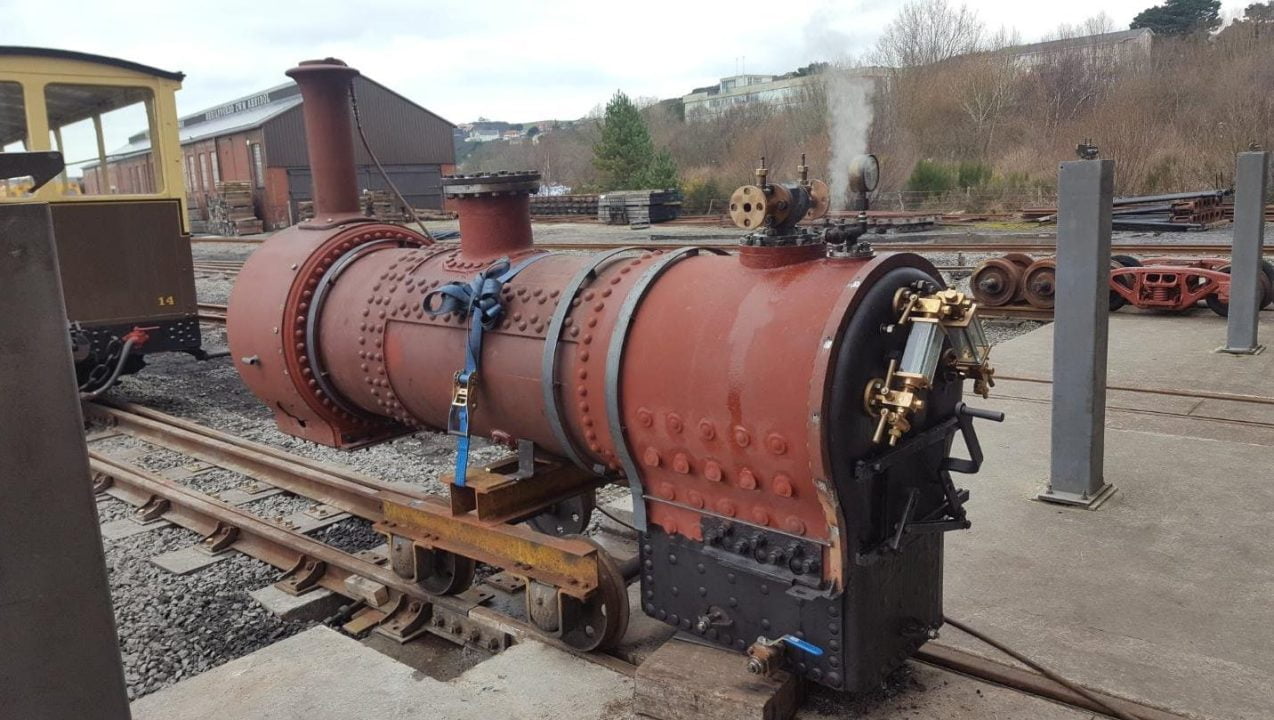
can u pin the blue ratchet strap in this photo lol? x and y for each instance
(480, 300)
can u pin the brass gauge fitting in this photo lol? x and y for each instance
(932, 317)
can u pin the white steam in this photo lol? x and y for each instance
(849, 122)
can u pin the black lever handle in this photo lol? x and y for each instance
(964, 418)
(992, 415)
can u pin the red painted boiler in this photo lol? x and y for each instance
(783, 415)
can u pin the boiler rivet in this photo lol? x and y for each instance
(681, 463)
(783, 485)
(741, 437)
(706, 430)
(747, 480)
(651, 457)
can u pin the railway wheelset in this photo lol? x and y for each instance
(1172, 284)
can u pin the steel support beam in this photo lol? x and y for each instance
(59, 656)
(1250, 183)
(1081, 319)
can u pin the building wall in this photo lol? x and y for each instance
(399, 131)
(127, 176)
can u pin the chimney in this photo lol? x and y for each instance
(329, 137)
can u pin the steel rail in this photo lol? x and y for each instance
(213, 313)
(200, 512)
(1029, 682)
(351, 493)
(281, 547)
(291, 551)
(1170, 392)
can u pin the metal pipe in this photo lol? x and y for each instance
(329, 138)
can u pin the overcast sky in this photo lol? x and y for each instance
(501, 59)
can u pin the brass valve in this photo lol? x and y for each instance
(933, 317)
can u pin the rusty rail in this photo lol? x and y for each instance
(1032, 683)
(212, 313)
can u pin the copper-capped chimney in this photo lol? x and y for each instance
(494, 211)
(329, 138)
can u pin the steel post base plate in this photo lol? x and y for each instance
(1090, 501)
(1241, 351)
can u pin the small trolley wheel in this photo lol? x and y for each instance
(1222, 308)
(568, 517)
(447, 573)
(602, 620)
(1116, 300)
(1039, 283)
(995, 282)
(541, 606)
(1126, 260)
(1267, 269)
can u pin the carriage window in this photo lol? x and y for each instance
(13, 136)
(103, 132)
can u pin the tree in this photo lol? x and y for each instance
(625, 154)
(1180, 17)
(1259, 12)
(927, 32)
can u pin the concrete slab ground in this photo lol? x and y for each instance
(1166, 593)
(321, 674)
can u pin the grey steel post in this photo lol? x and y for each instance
(1081, 318)
(1250, 183)
(59, 656)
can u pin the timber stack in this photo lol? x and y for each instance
(381, 205)
(231, 210)
(564, 205)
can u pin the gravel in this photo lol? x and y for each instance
(351, 535)
(175, 626)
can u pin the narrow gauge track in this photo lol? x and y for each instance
(213, 313)
(1161, 392)
(407, 610)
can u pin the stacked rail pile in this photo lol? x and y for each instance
(231, 210)
(1174, 212)
(564, 205)
(1227, 210)
(638, 207)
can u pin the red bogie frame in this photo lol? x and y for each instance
(1169, 287)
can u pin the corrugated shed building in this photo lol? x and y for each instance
(260, 139)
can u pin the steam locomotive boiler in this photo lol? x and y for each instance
(783, 416)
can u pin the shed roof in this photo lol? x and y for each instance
(89, 58)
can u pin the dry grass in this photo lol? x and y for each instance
(1173, 120)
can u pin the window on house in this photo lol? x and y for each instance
(258, 166)
(203, 172)
(216, 167)
(90, 124)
